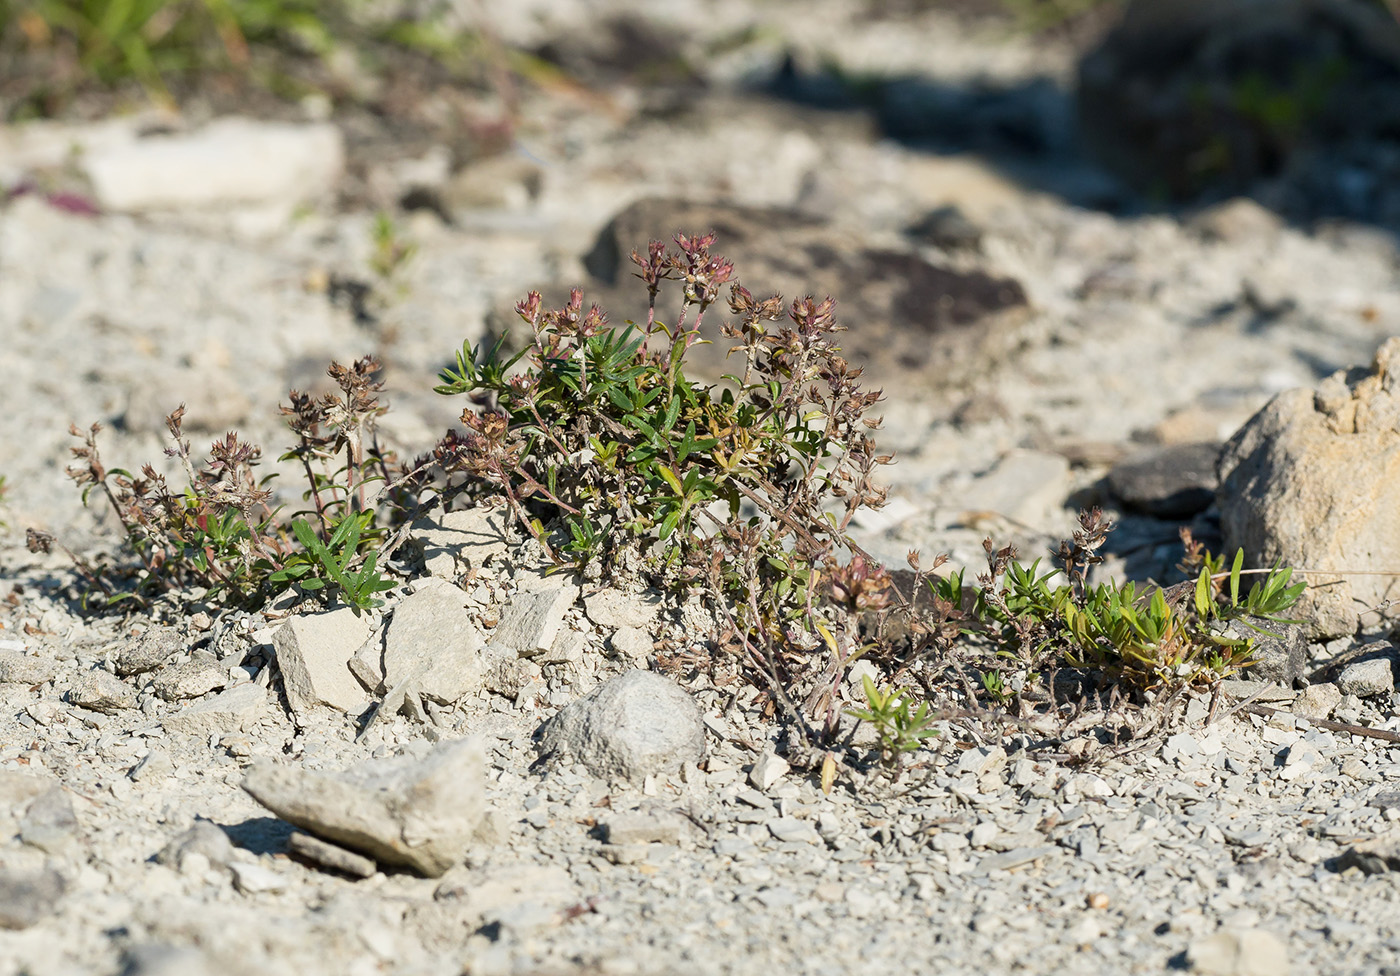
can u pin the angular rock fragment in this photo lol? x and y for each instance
(1313, 480)
(453, 543)
(152, 649)
(644, 827)
(236, 710)
(204, 838)
(532, 619)
(189, 679)
(632, 726)
(434, 641)
(230, 160)
(314, 654)
(1173, 482)
(1316, 702)
(1238, 952)
(19, 668)
(331, 856)
(632, 643)
(102, 692)
(1367, 679)
(1280, 649)
(612, 608)
(49, 823)
(417, 814)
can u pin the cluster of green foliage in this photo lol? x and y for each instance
(220, 532)
(58, 47)
(620, 465)
(610, 454)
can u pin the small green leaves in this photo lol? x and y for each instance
(900, 725)
(332, 563)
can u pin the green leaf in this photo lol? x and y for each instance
(1235, 578)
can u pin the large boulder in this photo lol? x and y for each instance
(907, 316)
(1313, 481)
(1187, 96)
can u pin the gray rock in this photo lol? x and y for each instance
(433, 640)
(1238, 952)
(1366, 679)
(236, 710)
(1314, 480)
(632, 726)
(507, 673)
(532, 619)
(644, 827)
(152, 649)
(418, 814)
(19, 668)
(1173, 482)
(917, 318)
(189, 679)
(331, 856)
(458, 541)
(230, 160)
(27, 897)
(204, 838)
(946, 227)
(255, 879)
(314, 652)
(49, 823)
(612, 608)
(1280, 650)
(102, 692)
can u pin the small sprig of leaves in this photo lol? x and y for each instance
(901, 725)
(338, 564)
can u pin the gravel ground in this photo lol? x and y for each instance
(1212, 847)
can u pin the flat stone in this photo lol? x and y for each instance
(189, 679)
(1173, 482)
(236, 710)
(417, 814)
(458, 541)
(632, 726)
(28, 897)
(473, 894)
(230, 160)
(331, 856)
(612, 608)
(102, 692)
(532, 619)
(156, 647)
(433, 640)
(153, 765)
(19, 668)
(644, 827)
(254, 879)
(1366, 679)
(1013, 858)
(1238, 952)
(1256, 689)
(367, 664)
(507, 673)
(314, 654)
